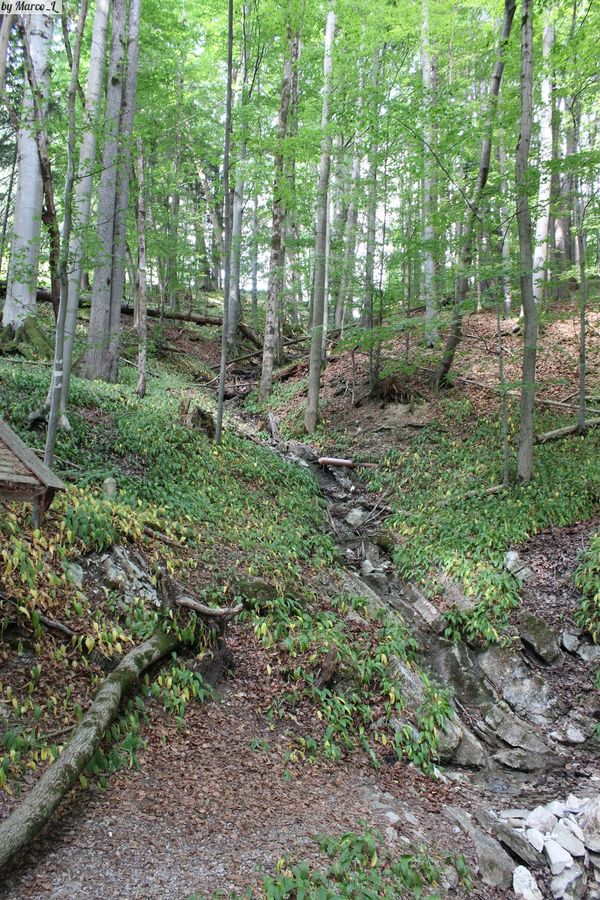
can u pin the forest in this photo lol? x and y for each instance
(299, 449)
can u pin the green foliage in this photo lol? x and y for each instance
(587, 579)
(359, 866)
(441, 530)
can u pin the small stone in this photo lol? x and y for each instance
(558, 858)
(542, 819)
(75, 573)
(556, 808)
(525, 885)
(392, 817)
(514, 814)
(366, 568)
(109, 488)
(567, 840)
(535, 838)
(570, 640)
(356, 517)
(589, 653)
(570, 884)
(574, 804)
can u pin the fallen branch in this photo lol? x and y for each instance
(346, 463)
(197, 320)
(163, 538)
(57, 626)
(35, 810)
(565, 432)
(223, 613)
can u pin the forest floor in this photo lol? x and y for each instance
(214, 803)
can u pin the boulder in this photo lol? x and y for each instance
(457, 667)
(525, 885)
(541, 819)
(526, 761)
(356, 517)
(527, 693)
(514, 841)
(558, 858)
(541, 639)
(495, 865)
(589, 822)
(567, 840)
(513, 730)
(570, 884)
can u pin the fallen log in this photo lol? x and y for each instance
(32, 814)
(293, 369)
(346, 463)
(196, 320)
(559, 433)
(28, 818)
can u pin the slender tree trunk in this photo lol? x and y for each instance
(311, 414)
(505, 232)
(96, 362)
(347, 273)
(21, 286)
(254, 263)
(431, 329)
(525, 457)
(367, 319)
(7, 201)
(142, 295)
(83, 188)
(276, 264)
(455, 334)
(122, 194)
(543, 217)
(227, 254)
(56, 382)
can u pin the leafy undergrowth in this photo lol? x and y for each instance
(445, 524)
(233, 512)
(359, 865)
(587, 579)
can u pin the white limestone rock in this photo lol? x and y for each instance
(525, 885)
(558, 858)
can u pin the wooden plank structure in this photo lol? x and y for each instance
(23, 476)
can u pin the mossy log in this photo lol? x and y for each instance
(248, 332)
(35, 810)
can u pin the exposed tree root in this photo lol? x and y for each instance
(28, 340)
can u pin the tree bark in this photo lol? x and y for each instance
(83, 189)
(142, 304)
(455, 334)
(277, 260)
(543, 217)
(431, 329)
(20, 303)
(525, 456)
(5, 27)
(96, 362)
(122, 193)
(311, 413)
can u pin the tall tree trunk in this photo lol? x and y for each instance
(8, 201)
(543, 217)
(525, 457)
(235, 306)
(254, 263)
(277, 260)
(122, 195)
(431, 329)
(347, 273)
(367, 318)
(227, 254)
(56, 381)
(96, 362)
(455, 334)
(142, 297)
(311, 413)
(21, 286)
(83, 189)
(505, 234)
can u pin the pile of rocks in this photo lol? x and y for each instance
(568, 836)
